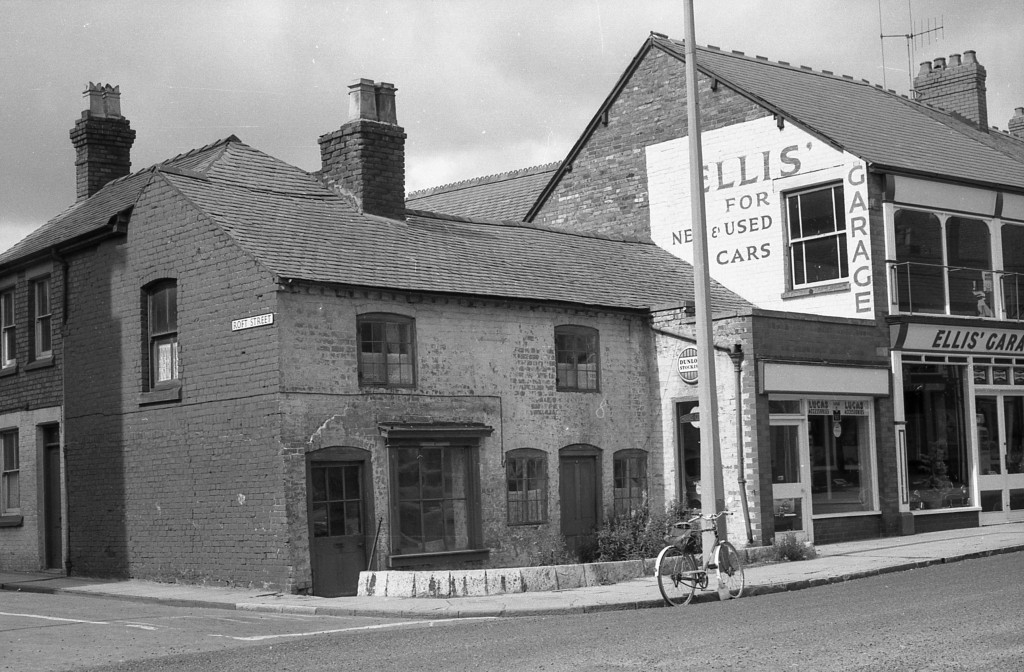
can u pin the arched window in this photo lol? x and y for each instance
(526, 476)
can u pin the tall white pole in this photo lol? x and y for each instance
(712, 496)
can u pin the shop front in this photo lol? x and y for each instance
(824, 453)
(959, 423)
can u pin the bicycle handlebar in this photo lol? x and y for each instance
(713, 516)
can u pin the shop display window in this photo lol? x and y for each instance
(840, 460)
(934, 400)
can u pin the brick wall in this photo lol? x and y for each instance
(178, 490)
(477, 361)
(606, 191)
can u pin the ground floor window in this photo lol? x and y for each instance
(526, 473)
(436, 506)
(630, 480)
(938, 468)
(10, 470)
(840, 460)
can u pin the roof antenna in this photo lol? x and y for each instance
(921, 36)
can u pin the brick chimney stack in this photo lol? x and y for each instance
(1016, 125)
(958, 87)
(103, 140)
(364, 160)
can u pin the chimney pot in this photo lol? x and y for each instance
(970, 56)
(112, 101)
(940, 63)
(954, 60)
(362, 100)
(1016, 125)
(386, 103)
(926, 67)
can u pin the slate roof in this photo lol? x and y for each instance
(503, 196)
(296, 228)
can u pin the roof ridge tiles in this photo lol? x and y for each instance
(509, 223)
(484, 179)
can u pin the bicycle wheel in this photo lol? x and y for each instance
(676, 580)
(730, 566)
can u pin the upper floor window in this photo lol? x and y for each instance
(10, 490)
(8, 349)
(817, 235)
(42, 343)
(630, 480)
(526, 475)
(162, 332)
(387, 353)
(943, 265)
(576, 359)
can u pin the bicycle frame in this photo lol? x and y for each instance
(680, 575)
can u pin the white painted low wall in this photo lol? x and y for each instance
(478, 582)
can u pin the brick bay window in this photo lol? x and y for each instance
(42, 340)
(10, 489)
(8, 349)
(387, 353)
(526, 476)
(630, 480)
(576, 359)
(817, 236)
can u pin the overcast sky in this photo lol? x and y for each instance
(484, 86)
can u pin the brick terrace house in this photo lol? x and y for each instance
(880, 243)
(225, 369)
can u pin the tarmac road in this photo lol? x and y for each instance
(961, 616)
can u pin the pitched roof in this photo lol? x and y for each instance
(886, 129)
(298, 229)
(503, 196)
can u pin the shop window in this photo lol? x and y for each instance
(387, 354)
(436, 505)
(840, 464)
(8, 347)
(937, 461)
(817, 235)
(1012, 277)
(526, 476)
(10, 470)
(162, 333)
(576, 357)
(630, 481)
(42, 341)
(943, 265)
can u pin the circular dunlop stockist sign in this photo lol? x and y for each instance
(687, 364)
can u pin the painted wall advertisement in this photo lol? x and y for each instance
(748, 169)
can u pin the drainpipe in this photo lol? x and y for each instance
(736, 355)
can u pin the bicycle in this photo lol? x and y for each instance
(677, 568)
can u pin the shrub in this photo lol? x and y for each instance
(788, 547)
(638, 534)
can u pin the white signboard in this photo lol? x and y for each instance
(250, 322)
(687, 365)
(748, 168)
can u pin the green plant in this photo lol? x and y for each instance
(638, 534)
(789, 548)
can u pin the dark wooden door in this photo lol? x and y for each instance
(53, 515)
(338, 515)
(577, 489)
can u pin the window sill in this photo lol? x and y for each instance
(39, 364)
(161, 395)
(410, 559)
(9, 370)
(11, 521)
(803, 292)
(578, 389)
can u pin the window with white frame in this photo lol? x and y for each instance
(8, 347)
(162, 333)
(10, 489)
(42, 342)
(817, 235)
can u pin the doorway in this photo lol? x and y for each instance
(338, 513)
(790, 478)
(1000, 431)
(53, 500)
(688, 454)
(579, 494)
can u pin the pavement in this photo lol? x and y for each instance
(834, 563)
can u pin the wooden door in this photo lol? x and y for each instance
(578, 489)
(53, 501)
(337, 512)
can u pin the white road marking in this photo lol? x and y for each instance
(380, 626)
(55, 618)
(140, 626)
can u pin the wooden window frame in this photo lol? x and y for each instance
(518, 510)
(394, 375)
(41, 306)
(8, 329)
(839, 234)
(9, 472)
(572, 342)
(623, 462)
